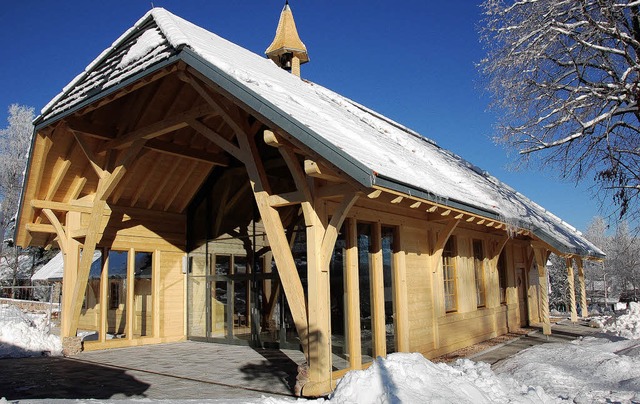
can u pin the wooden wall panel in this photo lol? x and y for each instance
(419, 289)
(171, 295)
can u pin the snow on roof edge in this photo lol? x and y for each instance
(47, 108)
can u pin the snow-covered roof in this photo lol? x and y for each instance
(54, 269)
(368, 146)
(7, 265)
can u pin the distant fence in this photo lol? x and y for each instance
(40, 300)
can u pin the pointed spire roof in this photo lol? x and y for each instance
(287, 39)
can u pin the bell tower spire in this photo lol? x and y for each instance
(287, 50)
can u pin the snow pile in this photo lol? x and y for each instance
(410, 378)
(626, 325)
(23, 335)
(586, 370)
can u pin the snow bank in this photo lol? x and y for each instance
(586, 370)
(23, 335)
(410, 378)
(626, 325)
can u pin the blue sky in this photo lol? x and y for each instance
(413, 61)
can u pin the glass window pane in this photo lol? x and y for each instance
(117, 314)
(89, 322)
(502, 277)
(339, 346)
(197, 292)
(478, 265)
(143, 297)
(449, 275)
(364, 269)
(388, 249)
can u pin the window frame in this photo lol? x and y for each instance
(450, 275)
(479, 270)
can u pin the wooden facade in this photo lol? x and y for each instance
(215, 222)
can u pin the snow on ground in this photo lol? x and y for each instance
(600, 368)
(25, 334)
(626, 325)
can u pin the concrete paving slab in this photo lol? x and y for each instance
(194, 370)
(186, 370)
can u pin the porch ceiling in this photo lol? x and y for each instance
(165, 176)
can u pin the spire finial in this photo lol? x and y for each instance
(287, 50)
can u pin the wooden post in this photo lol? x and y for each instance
(69, 276)
(572, 291)
(583, 290)
(353, 293)
(319, 341)
(400, 292)
(541, 263)
(129, 307)
(377, 292)
(104, 297)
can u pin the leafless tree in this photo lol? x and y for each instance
(14, 147)
(564, 76)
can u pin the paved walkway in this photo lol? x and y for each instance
(193, 370)
(185, 370)
(562, 331)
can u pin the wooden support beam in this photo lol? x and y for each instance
(271, 139)
(583, 291)
(443, 236)
(187, 152)
(397, 200)
(167, 125)
(40, 152)
(40, 228)
(415, 205)
(377, 292)
(319, 340)
(446, 212)
(316, 169)
(352, 285)
(400, 293)
(99, 210)
(331, 233)
(288, 199)
(62, 235)
(130, 307)
(458, 216)
(283, 257)
(375, 194)
(432, 209)
(78, 183)
(213, 102)
(298, 174)
(97, 162)
(572, 290)
(541, 255)
(82, 127)
(216, 138)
